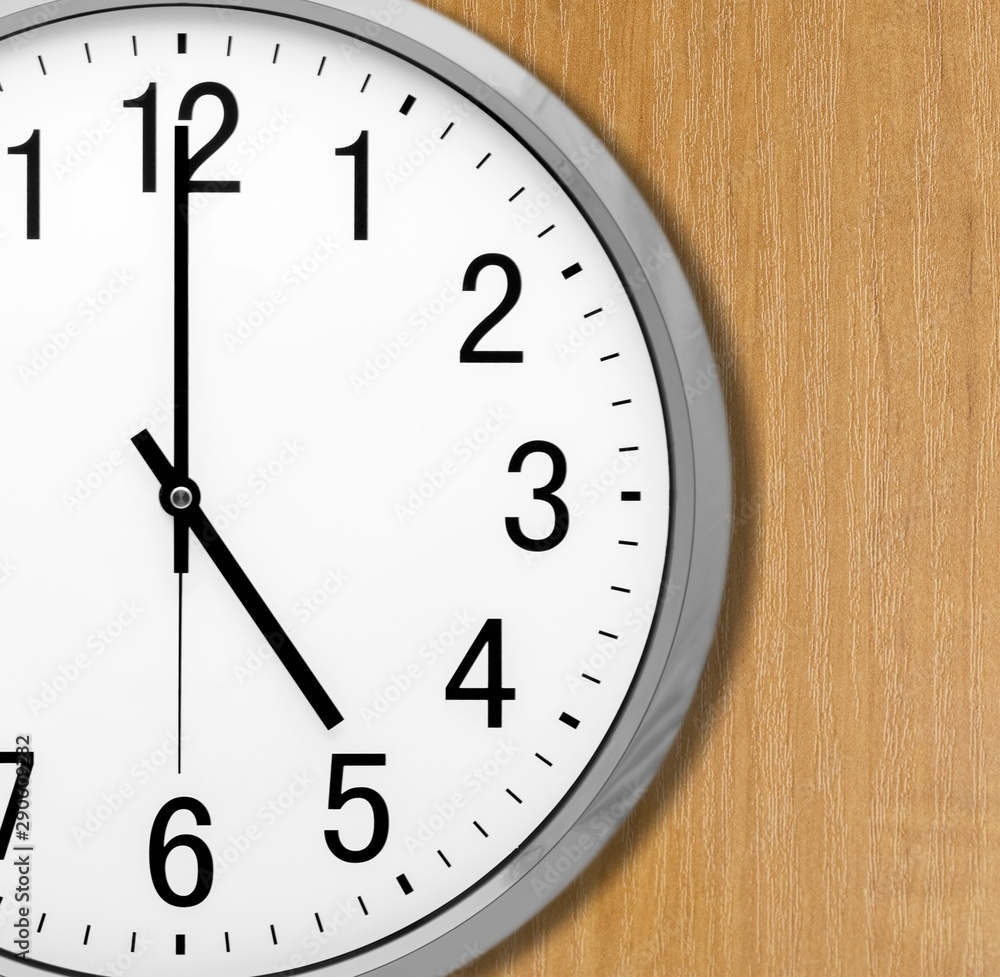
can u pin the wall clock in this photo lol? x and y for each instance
(366, 507)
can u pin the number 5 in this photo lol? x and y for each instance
(339, 797)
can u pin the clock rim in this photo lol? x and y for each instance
(700, 480)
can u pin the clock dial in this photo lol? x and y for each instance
(337, 497)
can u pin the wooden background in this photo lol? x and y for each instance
(828, 172)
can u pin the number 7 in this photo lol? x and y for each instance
(27, 762)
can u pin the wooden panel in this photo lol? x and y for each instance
(828, 172)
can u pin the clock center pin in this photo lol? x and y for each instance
(181, 497)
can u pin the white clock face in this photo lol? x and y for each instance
(429, 497)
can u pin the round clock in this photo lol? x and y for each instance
(366, 504)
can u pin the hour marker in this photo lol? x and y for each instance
(572, 270)
(321, 64)
(622, 590)
(180, 944)
(551, 227)
(319, 922)
(608, 634)
(228, 950)
(510, 200)
(590, 678)
(516, 798)
(627, 542)
(274, 936)
(42, 63)
(86, 937)
(135, 47)
(41, 923)
(482, 830)
(182, 44)
(547, 763)
(451, 125)
(590, 315)
(569, 720)
(132, 948)
(277, 48)
(633, 448)
(480, 164)
(407, 105)
(610, 356)
(631, 496)
(363, 87)
(620, 403)
(86, 48)
(364, 908)
(443, 858)
(229, 46)
(404, 884)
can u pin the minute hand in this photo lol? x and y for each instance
(232, 572)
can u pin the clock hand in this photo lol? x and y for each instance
(182, 186)
(182, 502)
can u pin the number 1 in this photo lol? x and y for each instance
(31, 149)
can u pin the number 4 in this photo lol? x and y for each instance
(25, 762)
(490, 638)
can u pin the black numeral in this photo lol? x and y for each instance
(187, 164)
(469, 353)
(544, 494)
(25, 764)
(359, 150)
(230, 117)
(160, 849)
(493, 694)
(32, 150)
(147, 102)
(339, 797)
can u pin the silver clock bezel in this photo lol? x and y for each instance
(695, 572)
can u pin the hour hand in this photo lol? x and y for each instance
(182, 500)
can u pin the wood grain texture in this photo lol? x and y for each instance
(828, 173)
